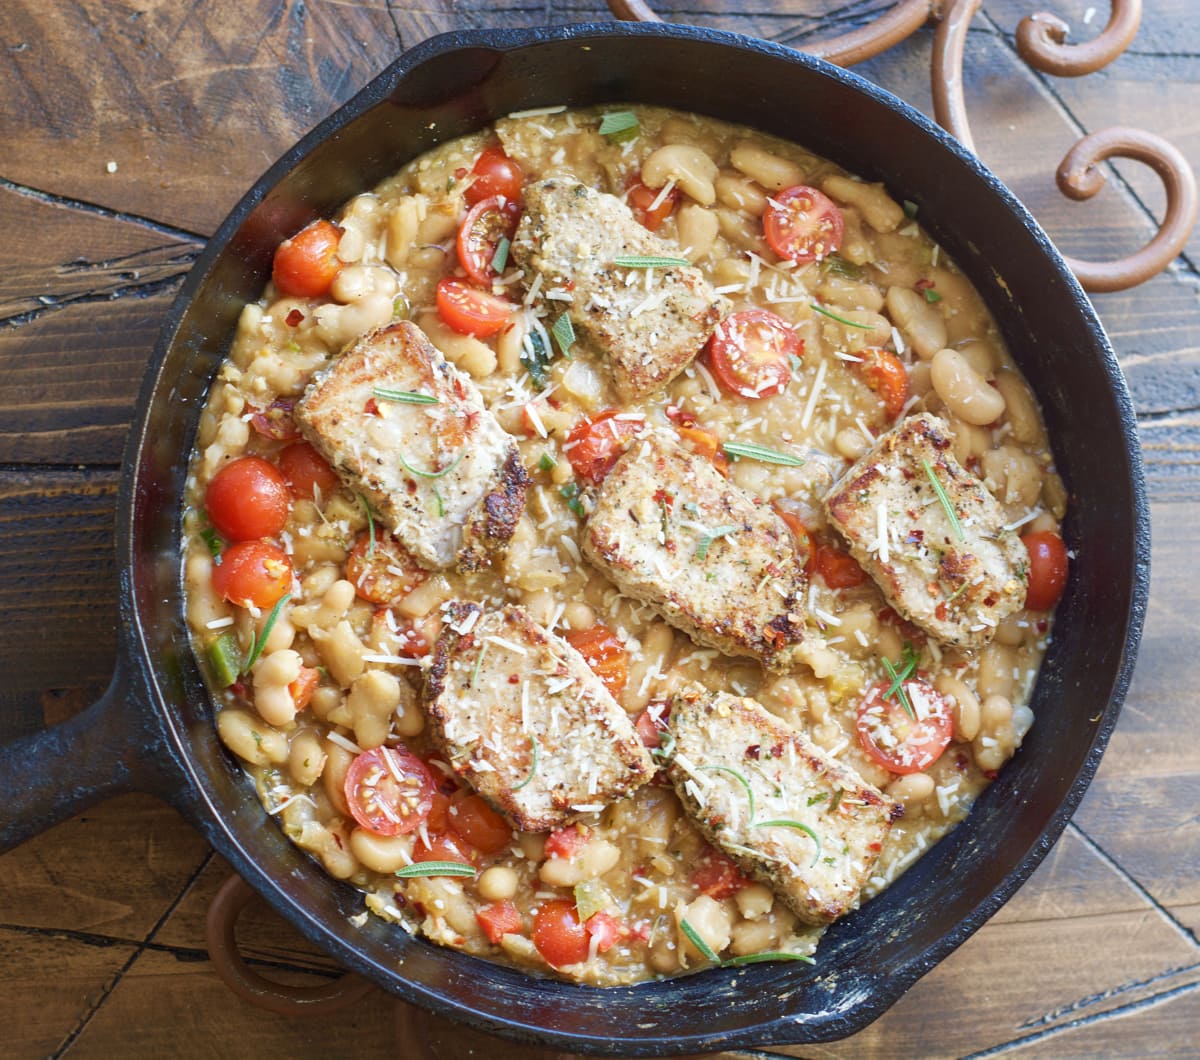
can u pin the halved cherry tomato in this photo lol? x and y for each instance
(558, 934)
(385, 573)
(595, 444)
(1048, 565)
(652, 723)
(604, 653)
(252, 573)
(717, 875)
(802, 224)
(707, 445)
(438, 821)
(804, 541)
(605, 929)
(495, 174)
(276, 422)
(480, 233)
(884, 373)
(389, 790)
(301, 690)
(499, 919)
(445, 848)
(306, 471)
(470, 311)
(642, 202)
(475, 821)
(307, 264)
(564, 842)
(897, 742)
(839, 569)
(247, 498)
(398, 635)
(751, 353)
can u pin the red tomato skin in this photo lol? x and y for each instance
(642, 198)
(370, 782)
(596, 444)
(253, 573)
(564, 842)
(802, 224)
(885, 373)
(921, 742)
(717, 876)
(276, 421)
(605, 929)
(1048, 567)
(558, 934)
(495, 175)
(839, 569)
(302, 689)
(372, 570)
(650, 729)
(470, 311)
(479, 234)
(499, 919)
(303, 468)
(804, 540)
(247, 499)
(604, 653)
(307, 264)
(446, 848)
(475, 821)
(751, 353)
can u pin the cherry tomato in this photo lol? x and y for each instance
(751, 353)
(306, 471)
(802, 224)
(707, 445)
(897, 742)
(564, 842)
(276, 422)
(605, 929)
(445, 848)
(475, 821)
(470, 311)
(385, 573)
(485, 224)
(839, 569)
(495, 174)
(399, 635)
(558, 934)
(438, 821)
(389, 790)
(604, 653)
(804, 541)
(301, 690)
(499, 919)
(307, 264)
(596, 444)
(1048, 564)
(247, 498)
(642, 202)
(885, 373)
(652, 723)
(717, 875)
(252, 573)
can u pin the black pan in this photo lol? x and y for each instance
(153, 729)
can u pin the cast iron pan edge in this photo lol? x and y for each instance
(847, 998)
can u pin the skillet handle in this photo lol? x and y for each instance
(50, 775)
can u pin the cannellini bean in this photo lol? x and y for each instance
(996, 664)
(964, 707)
(1022, 409)
(696, 228)
(850, 294)
(740, 230)
(475, 358)
(1012, 476)
(655, 658)
(710, 919)
(410, 718)
(403, 221)
(497, 883)
(911, 790)
(997, 740)
(691, 168)
(770, 170)
(333, 777)
(981, 356)
(381, 853)
(333, 848)
(357, 281)
(850, 443)
(754, 900)
(341, 651)
(334, 604)
(965, 392)
(306, 758)
(250, 738)
(594, 858)
(579, 616)
(373, 699)
(1013, 628)
(923, 326)
(738, 193)
(431, 593)
(340, 324)
(272, 675)
(969, 441)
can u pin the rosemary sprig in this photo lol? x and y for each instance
(707, 540)
(706, 951)
(761, 453)
(841, 320)
(767, 955)
(648, 261)
(951, 514)
(533, 767)
(430, 474)
(435, 868)
(257, 643)
(898, 685)
(404, 397)
(787, 822)
(739, 778)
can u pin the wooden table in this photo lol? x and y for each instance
(128, 130)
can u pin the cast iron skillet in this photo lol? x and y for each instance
(153, 730)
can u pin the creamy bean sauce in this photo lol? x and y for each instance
(360, 647)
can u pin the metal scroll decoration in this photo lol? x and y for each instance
(1041, 43)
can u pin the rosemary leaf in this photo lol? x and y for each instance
(706, 951)
(257, 647)
(951, 514)
(841, 320)
(648, 261)
(404, 397)
(435, 868)
(762, 454)
(739, 778)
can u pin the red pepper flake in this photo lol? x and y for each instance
(294, 319)
(513, 679)
(371, 408)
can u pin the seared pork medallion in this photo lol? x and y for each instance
(620, 543)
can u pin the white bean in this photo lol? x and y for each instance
(767, 169)
(272, 675)
(921, 323)
(697, 230)
(877, 207)
(690, 167)
(250, 738)
(965, 392)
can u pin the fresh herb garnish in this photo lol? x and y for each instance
(212, 539)
(706, 951)
(536, 359)
(837, 800)
(258, 643)
(370, 527)
(570, 493)
(441, 504)
(619, 125)
(435, 868)
(813, 800)
(762, 454)
(546, 462)
(500, 258)
(767, 955)
(707, 540)
(908, 668)
(898, 685)
(400, 307)
(564, 334)
(787, 822)
(739, 778)
(951, 514)
(478, 663)
(841, 320)
(404, 397)
(910, 209)
(931, 295)
(665, 748)
(839, 266)
(431, 474)
(533, 767)
(648, 261)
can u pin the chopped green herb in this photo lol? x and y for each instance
(839, 266)
(404, 397)
(400, 307)
(294, 346)
(837, 800)
(767, 955)
(898, 685)
(739, 778)
(533, 766)
(225, 658)
(648, 261)
(536, 358)
(256, 649)
(931, 295)
(431, 474)
(435, 868)
(665, 748)
(706, 951)
(707, 540)
(951, 514)
(692, 508)
(564, 334)
(762, 454)
(213, 541)
(910, 209)
(370, 527)
(958, 592)
(570, 493)
(478, 663)
(841, 320)
(500, 258)
(787, 822)
(814, 799)
(546, 462)
(619, 125)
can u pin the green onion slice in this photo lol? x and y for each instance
(213, 541)
(767, 955)
(706, 951)
(762, 454)
(546, 462)
(707, 540)
(739, 778)
(841, 320)
(500, 258)
(431, 474)
(533, 768)
(787, 822)
(435, 868)
(619, 125)
(951, 514)
(564, 334)
(257, 647)
(932, 296)
(405, 397)
(648, 261)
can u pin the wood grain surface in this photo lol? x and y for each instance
(128, 129)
